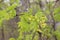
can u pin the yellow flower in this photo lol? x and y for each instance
(43, 25)
(43, 20)
(40, 21)
(30, 19)
(39, 30)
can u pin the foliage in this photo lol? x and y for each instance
(32, 21)
(35, 23)
(8, 12)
